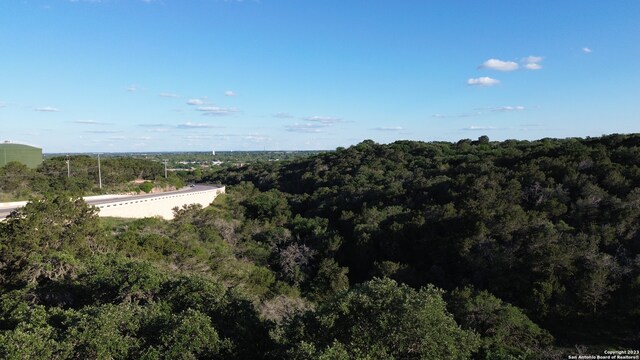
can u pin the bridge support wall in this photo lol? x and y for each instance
(159, 206)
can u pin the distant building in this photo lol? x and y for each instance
(25, 154)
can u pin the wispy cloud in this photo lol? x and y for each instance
(2, 104)
(482, 81)
(323, 119)
(305, 128)
(169, 95)
(533, 59)
(587, 50)
(533, 66)
(230, 93)
(132, 88)
(495, 64)
(196, 102)
(481, 111)
(507, 108)
(478, 128)
(47, 109)
(90, 122)
(216, 111)
(103, 131)
(388, 128)
(256, 138)
(532, 62)
(151, 125)
(465, 115)
(191, 125)
(197, 137)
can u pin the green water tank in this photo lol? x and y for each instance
(28, 155)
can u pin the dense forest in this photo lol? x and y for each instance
(410, 250)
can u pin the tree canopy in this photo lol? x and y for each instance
(410, 250)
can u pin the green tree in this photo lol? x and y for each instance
(43, 238)
(270, 205)
(382, 319)
(330, 279)
(507, 333)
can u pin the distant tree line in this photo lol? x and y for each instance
(81, 176)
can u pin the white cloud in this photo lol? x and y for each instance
(195, 102)
(306, 128)
(230, 93)
(169, 95)
(443, 116)
(483, 81)
(47, 109)
(103, 131)
(389, 128)
(533, 62)
(256, 138)
(216, 111)
(479, 128)
(191, 125)
(90, 122)
(2, 105)
(532, 59)
(323, 119)
(586, 50)
(132, 88)
(508, 108)
(499, 65)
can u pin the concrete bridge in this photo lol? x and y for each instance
(158, 204)
(141, 206)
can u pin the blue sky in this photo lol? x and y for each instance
(176, 75)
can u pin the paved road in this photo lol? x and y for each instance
(4, 212)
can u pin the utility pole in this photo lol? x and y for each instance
(68, 168)
(99, 173)
(165, 168)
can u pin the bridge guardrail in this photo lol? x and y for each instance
(217, 191)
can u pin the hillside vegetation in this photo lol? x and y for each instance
(549, 226)
(411, 250)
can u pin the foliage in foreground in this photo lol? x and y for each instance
(74, 287)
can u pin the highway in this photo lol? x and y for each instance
(110, 199)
